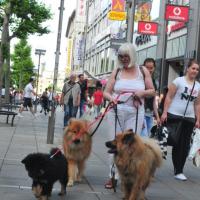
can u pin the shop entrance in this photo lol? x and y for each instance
(175, 69)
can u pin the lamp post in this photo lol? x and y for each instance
(39, 52)
(51, 121)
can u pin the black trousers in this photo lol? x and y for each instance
(181, 150)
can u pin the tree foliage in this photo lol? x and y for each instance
(18, 19)
(22, 68)
(25, 17)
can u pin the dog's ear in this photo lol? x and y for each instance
(128, 138)
(25, 160)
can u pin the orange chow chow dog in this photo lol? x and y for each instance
(77, 144)
(136, 161)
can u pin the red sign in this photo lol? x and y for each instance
(147, 28)
(177, 13)
(118, 5)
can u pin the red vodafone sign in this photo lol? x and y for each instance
(147, 28)
(177, 13)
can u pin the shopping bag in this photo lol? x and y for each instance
(195, 144)
(174, 132)
(89, 114)
(160, 133)
(196, 159)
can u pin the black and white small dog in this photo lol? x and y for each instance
(45, 170)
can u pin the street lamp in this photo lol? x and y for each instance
(39, 52)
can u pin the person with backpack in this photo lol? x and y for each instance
(126, 89)
(150, 104)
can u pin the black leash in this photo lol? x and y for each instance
(101, 119)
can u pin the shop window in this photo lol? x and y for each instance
(169, 49)
(182, 45)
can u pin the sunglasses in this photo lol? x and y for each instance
(120, 56)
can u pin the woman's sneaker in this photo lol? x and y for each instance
(180, 177)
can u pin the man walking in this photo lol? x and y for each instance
(83, 85)
(28, 91)
(70, 98)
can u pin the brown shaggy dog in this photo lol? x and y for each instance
(77, 147)
(136, 161)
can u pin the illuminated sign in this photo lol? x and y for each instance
(147, 28)
(177, 13)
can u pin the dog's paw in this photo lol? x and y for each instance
(78, 179)
(70, 183)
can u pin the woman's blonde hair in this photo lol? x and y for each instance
(128, 49)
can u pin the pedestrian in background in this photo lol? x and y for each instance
(130, 84)
(70, 98)
(150, 103)
(28, 92)
(98, 100)
(83, 85)
(44, 102)
(174, 107)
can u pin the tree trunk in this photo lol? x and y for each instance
(5, 50)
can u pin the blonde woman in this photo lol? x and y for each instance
(130, 84)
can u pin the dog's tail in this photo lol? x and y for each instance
(156, 149)
(55, 152)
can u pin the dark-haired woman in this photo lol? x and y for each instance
(174, 108)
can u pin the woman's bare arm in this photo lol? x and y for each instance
(109, 86)
(170, 95)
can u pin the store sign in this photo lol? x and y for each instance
(177, 13)
(147, 28)
(118, 5)
(117, 10)
(119, 16)
(142, 39)
(175, 27)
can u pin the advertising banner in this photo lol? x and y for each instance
(147, 28)
(177, 13)
(143, 12)
(117, 10)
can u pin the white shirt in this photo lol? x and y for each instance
(180, 99)
(28, 91)
(3, 92)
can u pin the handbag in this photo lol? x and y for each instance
(174, 130)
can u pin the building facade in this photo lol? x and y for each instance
(104, 36)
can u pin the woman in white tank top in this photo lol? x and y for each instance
(127, 82)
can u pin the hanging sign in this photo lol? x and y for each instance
(177, 13)
(147, 28)
(117, 10)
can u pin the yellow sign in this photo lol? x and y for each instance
(120, 16)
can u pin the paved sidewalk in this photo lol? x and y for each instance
(29, 135)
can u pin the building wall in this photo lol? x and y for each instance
(100, 55)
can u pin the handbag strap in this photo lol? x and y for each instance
(189, 99)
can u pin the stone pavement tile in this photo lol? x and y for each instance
(16, 194)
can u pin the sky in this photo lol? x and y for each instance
(48, 41)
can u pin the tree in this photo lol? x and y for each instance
(19, 18)
(22, 68)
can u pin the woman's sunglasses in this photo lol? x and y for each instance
(120, 56)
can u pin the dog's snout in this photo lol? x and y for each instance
(109, 144)
(77, 141)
